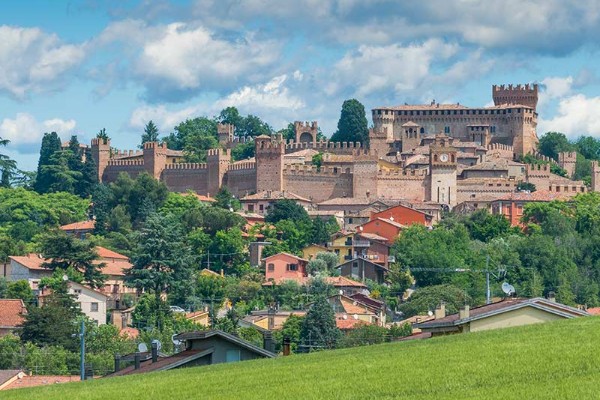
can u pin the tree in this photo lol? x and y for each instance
(8, 167)
(58, 173)
(161, 259)
(286, 209)
(428, 298)
(485, 226)
(290, 330)
(331, 259)
(526, 187)
(50, 144)
(553, 143)
(64, 252)
(316, 266)
(231, 115)
(317, 161)
(588, 147)
(89, 177)
(19, 290)
(194, 137)
(226, 200)
(55, 322)
(352, 125)
(150, 133)
(319, 330)
(102, 135)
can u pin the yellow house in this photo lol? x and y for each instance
(341, 244)
(310, 251)
(503, 314)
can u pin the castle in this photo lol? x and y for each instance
(443, 154)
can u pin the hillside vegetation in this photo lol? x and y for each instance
(551, 361)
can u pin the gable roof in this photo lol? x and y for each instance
(164, 363)
(364, 260)
(503, 306)
(80, 226)
(200, 335)
(274, 195)
(11, 313)
(103, 252)
(285, 254)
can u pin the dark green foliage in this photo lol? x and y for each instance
(553, 143)
(150, 133)
(243, 151)
(317, 161)
(286, 209)
(50, 144)
(429, 298)
(526, 187)
(226, 200)
(291, 330)
(194, 137)
(102, 135)
(485, 226)
(54, 323)
(19, 290)
(319, 330)
(66, 252)
(352, 125)
(8, 167)
(588, 147)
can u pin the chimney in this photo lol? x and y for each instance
(154, 351)
(552, 297)
(440, 311)
(268, 341)
(136, 360)
(117, 362)
(464, 312)
(286, 346)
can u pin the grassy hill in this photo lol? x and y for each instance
(557, 360)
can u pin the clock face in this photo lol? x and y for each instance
(443, 157)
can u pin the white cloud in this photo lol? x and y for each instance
(164, 118)
(372, 69)
(272, 95)
(577, 115)
(34, 61)
(25, 132)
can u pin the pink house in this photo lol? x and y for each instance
(284, 266)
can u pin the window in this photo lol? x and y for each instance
(292, 267)
(94, 307)
(261, 207)
(250, 207)
(271, 267)
(446, 129)
(350, 220)
(232, 355)
(355, 269)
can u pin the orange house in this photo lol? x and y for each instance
(386, 228)
(284, 266)
(512, 204)
(404, 215)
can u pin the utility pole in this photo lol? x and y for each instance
(488, 296)
(82, 352)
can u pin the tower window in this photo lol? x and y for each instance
(446, 129)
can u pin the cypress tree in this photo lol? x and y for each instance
(352, 125)
(50, 145)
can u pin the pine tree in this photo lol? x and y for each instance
(150, 133)
(8, 167)
(89, 178)
(352, 125)
(318, 328)
(50, 144)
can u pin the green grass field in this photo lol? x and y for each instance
(559, 360)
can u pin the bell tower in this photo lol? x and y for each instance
(442, 171)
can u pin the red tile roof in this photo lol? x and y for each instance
(342, 281)
(11, 313)
(538, 195)
(106, 253)
(41, 380)
(80, 226)
(350, 323)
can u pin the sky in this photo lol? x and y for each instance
(76, 67)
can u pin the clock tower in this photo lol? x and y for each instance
(442, 171)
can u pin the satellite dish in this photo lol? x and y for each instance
(430, 313)
(355, 316)
(158, 344)
(391, 218)
(176, 342)
(142, 348)
(65, 278)
(508, 288)
(341, 292)
(361, 228)
(345, 316)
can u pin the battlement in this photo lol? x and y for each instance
(305, 125)
(225, 129)
(128, 163)
(188, 166)
(324, 145)
(127, 153)
(98, 142)
(155, 145)
(500, 146)
(510, 87)
(217, 152)
(419, 173)
(538, 169)
(313, 171)
(245, 165)
(526, 95)
(567, 156)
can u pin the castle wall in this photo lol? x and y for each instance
(240, 178)
(317, 185)
(483, 190)
(114, 167)
(409, 185)
(323, 146)
(186, 176)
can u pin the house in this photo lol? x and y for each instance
(79, 229)
(404, 215)
(341, 244)
(512, 204)
(92, 302)
(11, 315)
(15, 379)
(261, 202)
(362, 269)
(373, 247)
(509, 312)
(201, 348)
(347, 286)
(310, 251)
(274, 320)
(387, 228)
(200, 317)
(284, 266)
(30, 268)
(348, 309)
(122, 318)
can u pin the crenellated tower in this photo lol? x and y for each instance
(101, 154)
(217, 161)
(595, 184)
(442, 171)
(269, 162)
(526, 95)
(155, 158)
(225, 133)
(567, 161)
(306, 132)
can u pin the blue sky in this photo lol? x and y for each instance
(78, 66)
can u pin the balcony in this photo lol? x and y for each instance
(348, 257)
(361, 243)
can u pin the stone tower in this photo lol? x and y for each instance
(269, 162)
(526, 95)
(217, 161)
(225, 133)
(442, 171)
(364, 175)
(306, 132)
(595, 177)
(101, 155)
(411, 136)
(155, 158)
(567, 161)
